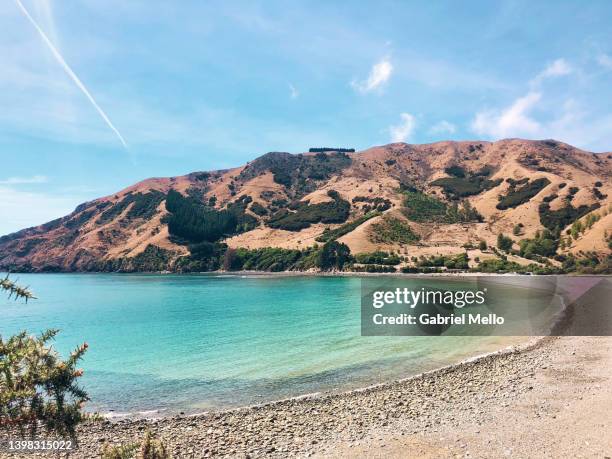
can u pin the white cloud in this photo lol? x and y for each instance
(558, 68)
(569, 123)
(404, 130)
(40, 207)
(443, 127)
(513, 121)
(605, 61)
(293, 92)
(379, 75)
(24, 180)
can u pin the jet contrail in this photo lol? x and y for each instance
(69, 71)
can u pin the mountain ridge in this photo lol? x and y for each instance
(472, 191)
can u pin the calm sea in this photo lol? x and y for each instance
(169, 343)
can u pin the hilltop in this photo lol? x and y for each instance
(398, 206)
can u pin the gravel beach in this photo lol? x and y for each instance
(552, 398)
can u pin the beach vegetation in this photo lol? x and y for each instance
(149, 448)
(374, 268)
(333, 256)
(458, 261)
(377, 258)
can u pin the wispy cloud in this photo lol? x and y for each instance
(403, 131)
(511, 121)
(24, 180)
(605, 61)
(293, 92)
(559, 67)
(58, 57)
(379, 75)
(443, 127)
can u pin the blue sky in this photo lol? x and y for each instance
(206, 85)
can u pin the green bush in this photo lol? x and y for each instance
(297, 173)
(455, 171)
(544, 244)
(504, 242)
(37, 388)
(374, 269)
(497, 265)
(333, 255)
(258, 209)
(419, 207)
(377, 258)
(458, 261)
(264, 259)
(335, 211)
(194, 222)
(460, 187)
(333, 234)
(391, 230)
(556, 220)
(517, 196)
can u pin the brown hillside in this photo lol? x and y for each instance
(125, 226)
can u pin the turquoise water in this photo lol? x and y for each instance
(170, 343)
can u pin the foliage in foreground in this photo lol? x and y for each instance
(14, 290)
(149, 448)
(37, 387)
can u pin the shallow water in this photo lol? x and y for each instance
(169, 343)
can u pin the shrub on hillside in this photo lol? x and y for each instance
(333, 234)
(556, 220)
(517, 196)
(335, 211)
(392, 230)
(422, 208)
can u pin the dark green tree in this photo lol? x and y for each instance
(333, 255)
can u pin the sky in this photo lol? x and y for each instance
(95, 96)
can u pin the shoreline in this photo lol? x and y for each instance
(309, 274)
(452, 398)
(530, 343)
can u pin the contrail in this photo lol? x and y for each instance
(69, 71)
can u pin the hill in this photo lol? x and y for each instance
(439, 206)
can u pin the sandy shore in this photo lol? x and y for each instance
(553, 399)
